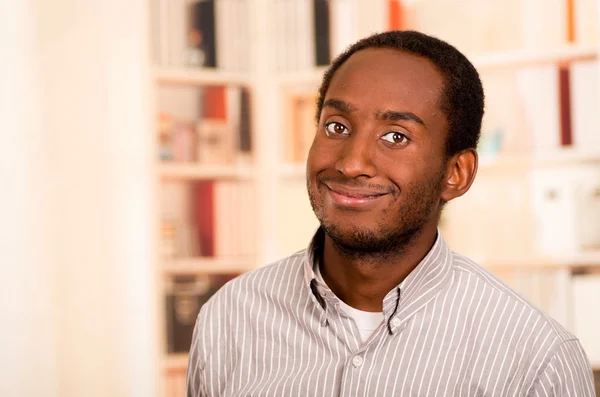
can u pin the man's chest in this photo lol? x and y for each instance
(422, 356)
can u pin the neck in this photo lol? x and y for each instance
(362, 280)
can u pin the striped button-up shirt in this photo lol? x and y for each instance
(452, 330)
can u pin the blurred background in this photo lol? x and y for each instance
(153, 150)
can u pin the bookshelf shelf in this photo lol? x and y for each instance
(559, 157)
(581, 262)
(204, 171)
(183, 266)
(175, 362)
(533, 57)
(188, 76)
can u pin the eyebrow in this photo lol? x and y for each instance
(387, 115)
(395, 116)
(339, 105)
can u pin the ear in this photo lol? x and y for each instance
(460, 174)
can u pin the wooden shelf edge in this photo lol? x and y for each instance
(192, 76)
(204, 171)
(185, 266)
(175, 362)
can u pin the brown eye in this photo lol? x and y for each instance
(335, 128)
(395, 137)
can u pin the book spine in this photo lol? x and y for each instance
(538, 88)
(585, 103)
(245, 140)
(344, 22)
(306, 43)
(202, 21)
(564, 85)
(372, 17)
(395, 15)
(322, 32)
(214, 103)
(204, 192)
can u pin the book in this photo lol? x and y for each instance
(488, 18)
(177, 32)
(227, 225)
(201, 33)
(184, 298)
(232, 34)
(540, 94)
(214, 102)
(586, 15)
(585, 103)
(204, 216)
(345, 18)
(245, 124)
(321, 32)
(303, 108)
(564, 95)
(304, 43)
(373, 17)
(235, 215)
(396, 15)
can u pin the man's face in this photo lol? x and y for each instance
(377, 166)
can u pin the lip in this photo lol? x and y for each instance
(350, 197)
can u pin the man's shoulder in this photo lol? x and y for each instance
(479, 280)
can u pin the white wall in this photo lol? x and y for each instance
(77, 203)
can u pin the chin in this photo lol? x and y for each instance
(360, 239)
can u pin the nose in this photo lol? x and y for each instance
(356, 157)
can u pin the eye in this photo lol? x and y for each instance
(395, 137)
(334, 128)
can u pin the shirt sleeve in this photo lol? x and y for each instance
(568, 373)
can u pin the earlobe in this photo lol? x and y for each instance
(461, 171)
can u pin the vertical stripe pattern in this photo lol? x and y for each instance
(453, 330)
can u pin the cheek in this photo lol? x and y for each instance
(322, 154)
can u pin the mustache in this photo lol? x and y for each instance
(353, 183)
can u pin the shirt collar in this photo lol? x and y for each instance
(431, 276)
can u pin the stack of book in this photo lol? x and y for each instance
(204, 124)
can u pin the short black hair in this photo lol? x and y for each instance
(462, 99)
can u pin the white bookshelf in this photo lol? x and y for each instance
(270, 172)
(192, 171)
(198, 265)
(534, 57)
(197, 76)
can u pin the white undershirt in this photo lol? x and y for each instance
(366, 322)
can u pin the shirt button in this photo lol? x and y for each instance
(357, 361)
(396, 322)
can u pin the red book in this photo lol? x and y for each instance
(204, 205)
(564, 81)
(395, 15)
(214, 104)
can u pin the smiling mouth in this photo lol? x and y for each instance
(347, 197)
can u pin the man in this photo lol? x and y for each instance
(378, 305)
